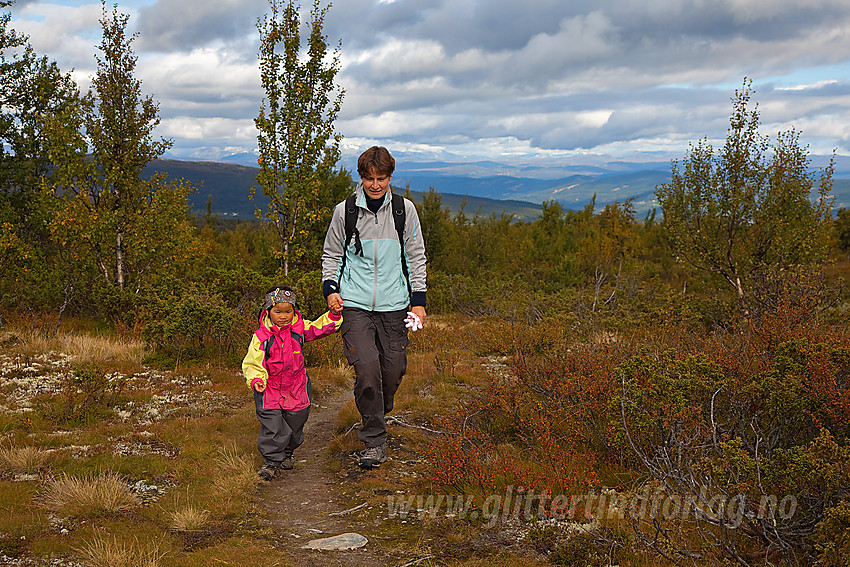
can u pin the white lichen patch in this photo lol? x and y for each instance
(128, 448)
(148, 493)
(23, 378)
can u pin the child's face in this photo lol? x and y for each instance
(282, 314)
(375, 184)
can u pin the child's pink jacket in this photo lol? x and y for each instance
(274, 358)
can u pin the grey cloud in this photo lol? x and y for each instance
(831, 88)
(447, 72)
(170, 25)
(498, 25)
(550, 123)
(460, 25)
(557, 33)
(594, 43)
(20, 4)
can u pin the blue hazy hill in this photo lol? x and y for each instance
(479, 192)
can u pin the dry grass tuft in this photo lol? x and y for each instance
(85, 348)
(235, 473)
(89, 496)
(232, 460)
(91, 349)
(345, 440)
(341, 373)
(115, 553)
(188, 519)
(345, 444)
(348, 417)
(606, 338)
(23, 460)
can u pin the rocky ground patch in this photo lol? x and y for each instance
(148, 427)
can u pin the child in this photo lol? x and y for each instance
(274, 368)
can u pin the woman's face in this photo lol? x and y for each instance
(375, 184)
(281, 314)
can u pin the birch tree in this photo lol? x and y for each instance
(31, 86)
(101, 149)
(297, 143)
(752, 206)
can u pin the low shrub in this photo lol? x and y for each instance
(87, 394)
(832, 538)
(190, 325)
(749, 435)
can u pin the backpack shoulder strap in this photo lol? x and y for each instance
(350, 229)
(350, 217)
(399, 218)
(267, 346)
(399, 215)
(298, 337)
(351, 226)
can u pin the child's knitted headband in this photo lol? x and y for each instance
(279, 296)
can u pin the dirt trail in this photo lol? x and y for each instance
(305, 503)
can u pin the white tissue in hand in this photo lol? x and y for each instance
(413, 322)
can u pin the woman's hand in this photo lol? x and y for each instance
(420, 312)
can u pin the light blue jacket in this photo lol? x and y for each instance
(374, 281)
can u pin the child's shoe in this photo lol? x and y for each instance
(268, 470)
(286, 464)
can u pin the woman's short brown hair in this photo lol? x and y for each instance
(376, 160)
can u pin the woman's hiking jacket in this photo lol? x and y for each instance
(275, 359)
(370, 276)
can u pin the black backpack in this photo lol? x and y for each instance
(399, 218)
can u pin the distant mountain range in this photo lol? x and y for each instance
(573, 192)
(228, 188)
(480, 188)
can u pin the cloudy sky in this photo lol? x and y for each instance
(536, 81)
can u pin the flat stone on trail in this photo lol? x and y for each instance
(340, 542)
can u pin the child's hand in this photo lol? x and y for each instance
(259, 386)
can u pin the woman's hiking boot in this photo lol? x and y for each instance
(268, 470)
(372, 457)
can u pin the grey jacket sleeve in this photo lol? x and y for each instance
(414, 249)
(332, 251)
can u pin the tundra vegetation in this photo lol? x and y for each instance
(591, 388)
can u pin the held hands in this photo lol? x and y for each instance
(335, 303)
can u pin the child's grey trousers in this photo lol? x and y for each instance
(281, 432)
